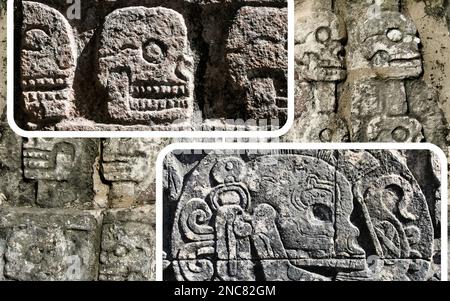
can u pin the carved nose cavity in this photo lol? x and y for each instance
(153, 52)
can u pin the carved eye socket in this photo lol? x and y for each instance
(322, 213)
(35, 39)
(153, 52)
(323, 34)
(395, 35)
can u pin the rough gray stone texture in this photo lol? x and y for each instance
(53, 194)
(371, 71)
(48, 245)
(152, 65)
(300, 215)
(128, 165)
(128, 245)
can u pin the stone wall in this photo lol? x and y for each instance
(75, 209)
(180, 64)
(372, 71)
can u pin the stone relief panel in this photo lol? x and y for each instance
(298, 215)
(41, 245)
(57, 208)
(128, 166)
(62, 170)
(181, 65)
(373, 53)
(128, 245)
(48, 63)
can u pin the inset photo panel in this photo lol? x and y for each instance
(292, 212)
(150, 68)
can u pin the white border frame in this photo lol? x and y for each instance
(149, 134)
(311, 146)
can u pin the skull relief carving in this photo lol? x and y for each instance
(145, 66)
(319, 51)
(126, 159)
(48, 159)
(47, 63)
(257, 56)
(390, 44)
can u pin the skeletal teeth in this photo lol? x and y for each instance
(175, 89)
(183, 90)
(60, 81)
(49, 81)
(170, 104)
(41, 81)
(32, 82)
(149, 89)
(156, 89)
(33, 96)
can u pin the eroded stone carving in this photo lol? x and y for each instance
(190, 66)
(298, 215)
(385, 106)
(383, 98)
(256, 52)
(13, 188)
(145, 64)
(47, 64)
(128, 245)
(63, 170)
(48, 246)
(128, 164)
(320, 64)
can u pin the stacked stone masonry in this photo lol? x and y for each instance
(151, 65)
(371, 71)
(77, 209)
(288, 215)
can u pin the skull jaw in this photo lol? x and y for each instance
(48, 106)
(266, 99)
(322, 69)
(318, 72)
(160, 106)
(396, 66)
(53, 164)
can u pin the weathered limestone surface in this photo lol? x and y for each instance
(76, 209)
(301, 215)
(372, 71)
(2, 55)
(151, 65)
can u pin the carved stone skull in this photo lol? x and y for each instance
(49, 159)
(256, 52)
(47, 63)
(126, 163)
(319, 51)
(145, 66)
(36, 253)
(390, 45)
